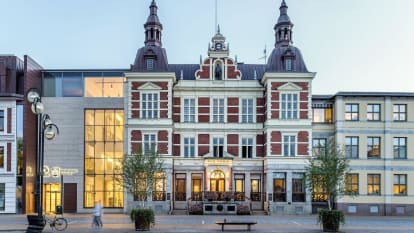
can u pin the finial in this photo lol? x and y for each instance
(235, 59)
(201, 60)
(218, 28)
(181, 75)
(255, 75)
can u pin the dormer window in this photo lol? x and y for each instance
(288, 64)
(150, 63)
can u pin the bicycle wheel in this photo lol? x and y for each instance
(61, 224)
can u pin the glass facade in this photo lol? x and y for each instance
(104, 138)
(83, 84)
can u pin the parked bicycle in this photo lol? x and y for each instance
(59, 223)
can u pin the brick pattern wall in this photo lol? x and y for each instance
(233, 110)
(176, 145)
(176, 109)
(303, 143)
(276, 143)
(203, 109)
(203, 144)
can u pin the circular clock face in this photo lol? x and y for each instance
(218, 46)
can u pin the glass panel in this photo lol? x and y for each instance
(72, 84)
(93, 87)
(113, 87)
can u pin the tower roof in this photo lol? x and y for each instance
(152, 57)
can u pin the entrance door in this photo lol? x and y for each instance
(217, 181)
(217, 185)
(70, 197)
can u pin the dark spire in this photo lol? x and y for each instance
(152, 57)
(153, 27)
(283, 27)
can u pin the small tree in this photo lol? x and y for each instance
(139, 171)
(327, 170)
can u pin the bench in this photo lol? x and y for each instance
(226, 222)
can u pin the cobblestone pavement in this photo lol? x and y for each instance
(184, 223)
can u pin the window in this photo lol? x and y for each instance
(2, 196)
(72, 84)
(140, 193)
(150, 144)
(318, 146)
(196, 182)
(189, 147)
(180, 187)
(255, 194)
(218, 144)
(247, 147)
(322, 114)
(352, 183)
(374, 112)
(218, 111)
(279, 187)
(149, 105)
(2, 123)
(289, 145)
(400, 112)
(351, 112)
(400, 185)
(289, 107)
(247, 111)
(351, 147)
(103, 157)
(400, 148)
(158, 193)
(150, 63)
(98, 86)
(298, 187)
(373, 149)
(374, 184)
(189, 110)
(239, 187)
(288, 64)
(2, 157)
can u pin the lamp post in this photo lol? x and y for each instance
(45, 129)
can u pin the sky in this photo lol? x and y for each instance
(352, 45)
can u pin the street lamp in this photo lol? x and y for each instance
(45, 129)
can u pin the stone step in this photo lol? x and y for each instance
(179, 212)
(259, 212)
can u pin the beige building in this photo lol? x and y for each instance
(375, 130)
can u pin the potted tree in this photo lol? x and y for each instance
(139, 171)
(326, 171)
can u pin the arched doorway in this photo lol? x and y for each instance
(217, 181)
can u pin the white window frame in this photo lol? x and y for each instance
(289, 144)
(185, 146)
(152, 109)
(218, 137)
(150, 141)
(284, 112)
(188, 115)
(213, 107)
(149, 63)
(288, 64)
(253, 143)
(244, 117)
